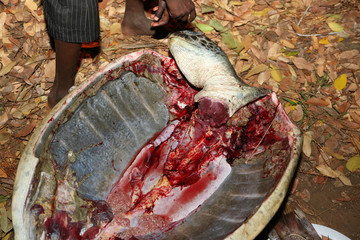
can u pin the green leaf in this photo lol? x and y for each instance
(353, 163)
(229, 40)
(4, 198)
(204, 27)
(206, 9)
(217, 25)
(292, 53)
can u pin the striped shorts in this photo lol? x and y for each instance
(72, 20)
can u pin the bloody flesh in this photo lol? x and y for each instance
(178, 170)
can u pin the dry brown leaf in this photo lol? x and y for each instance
(3, 30)
(355, 114)
(50, 69)
(27, 108)
(246, 42)
(287, 44)
(357, 97)
(319, 101)
(7, 68)
(26, 130)
(315, 42)
(356, 142)
(327, 171)
(263, 77)
(307, 138)
(350, 54)
(301, 63)
(5, 135)
(286, 84)
(3, 173)
(320, 70)
(274, 51)
(255, 50)
(297, 114)
(319, 180)
(296, 28)
(348, 124)
(333, 154)
(3, 119)
(344, 107)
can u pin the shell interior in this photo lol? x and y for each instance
(109, 161)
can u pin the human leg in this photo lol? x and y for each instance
(67, 57)
(135, 22)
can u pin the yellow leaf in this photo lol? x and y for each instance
(261, 13)
(275, 73)
(340, 82)
(324, 41)
(336, 27)
(257, 69)
(292, 71)
(353, 163)
(31, 5)
(236, 3)
(115, 28)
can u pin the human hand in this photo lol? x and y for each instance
(183, 10)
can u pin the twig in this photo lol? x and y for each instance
(262, 138)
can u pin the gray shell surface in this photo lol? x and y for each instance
(96, 130)
(107, 130)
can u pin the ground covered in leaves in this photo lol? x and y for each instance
(306, 51)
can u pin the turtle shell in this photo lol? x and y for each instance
(76, 156)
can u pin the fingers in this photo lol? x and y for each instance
(159, 10)
(164, 19)
(183, 10)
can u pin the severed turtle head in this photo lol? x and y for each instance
(206, 66)
(198, 57)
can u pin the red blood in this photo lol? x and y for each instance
(178, 160)
(61, 227)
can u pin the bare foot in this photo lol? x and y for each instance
(135, 22)
(136, 25)
(56, 95)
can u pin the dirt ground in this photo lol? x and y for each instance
(307, 51)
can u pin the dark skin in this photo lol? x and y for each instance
(134, 23)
